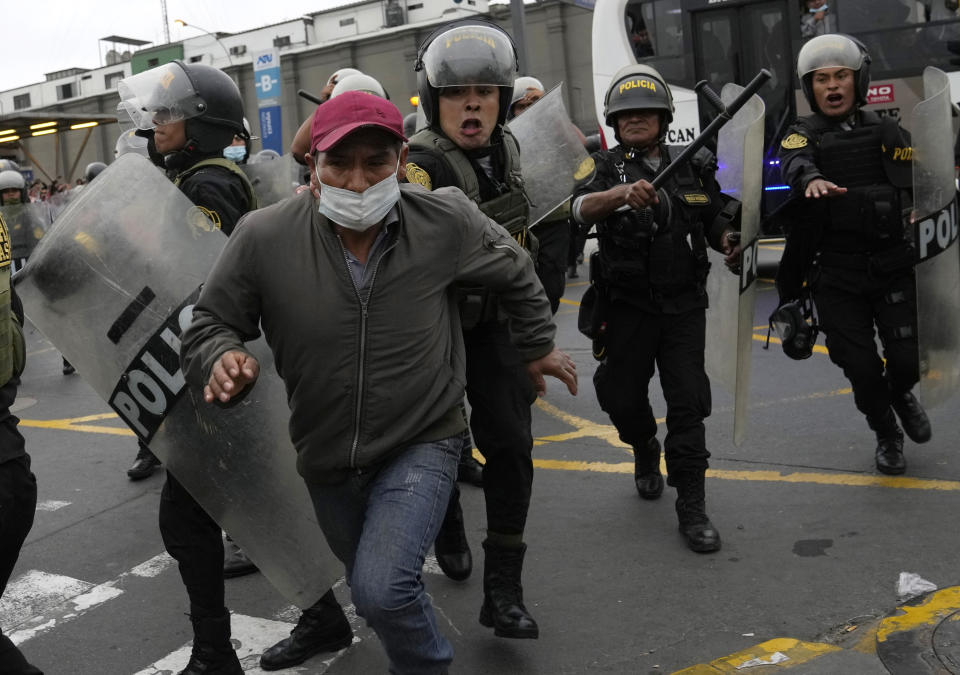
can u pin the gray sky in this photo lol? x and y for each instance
(60, 34)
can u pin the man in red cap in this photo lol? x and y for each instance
(361, 316)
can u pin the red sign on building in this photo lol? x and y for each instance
(880, 93)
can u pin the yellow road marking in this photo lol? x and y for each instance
(797, 652)
(578, 283)
(74, 424)
(39, 351)
(933, 609)
(569, 302)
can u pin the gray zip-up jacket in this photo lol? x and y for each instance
(364, 380)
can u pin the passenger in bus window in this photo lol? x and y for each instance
(817, 19)
(850, 172)
(639, 37)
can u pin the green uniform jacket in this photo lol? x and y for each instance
(364, 381)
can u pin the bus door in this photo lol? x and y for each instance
(731, 44)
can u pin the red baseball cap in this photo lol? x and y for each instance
(352, 110)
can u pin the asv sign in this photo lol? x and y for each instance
(263, 61)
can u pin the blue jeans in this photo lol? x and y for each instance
(380, 526)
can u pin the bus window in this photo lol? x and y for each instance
(817, 17)
(655, 30)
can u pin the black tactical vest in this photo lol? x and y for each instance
(868, 218)
(659, 250)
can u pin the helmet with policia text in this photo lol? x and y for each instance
(13, 180)
(638, 87)
(797, 328)
(359, 82)
(204, 97)
(464, 53)
(834, 50)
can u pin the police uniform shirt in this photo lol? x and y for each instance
(219, 193)
(432, 172)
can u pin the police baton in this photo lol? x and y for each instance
(316, 99)
(726, 113)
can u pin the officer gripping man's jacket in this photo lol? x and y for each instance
(648, 296)
(850, 173)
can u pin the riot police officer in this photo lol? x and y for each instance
(18, 486)
(650, 274)
(465, 75)
(13, 188)
(850, 178)
(189, 113)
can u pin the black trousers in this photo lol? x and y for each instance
(18, 503)
(554, 239)
(500, 396)
(635, 342)
(853, 308)
(193, 539)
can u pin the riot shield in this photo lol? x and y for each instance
(112, 286)
(273, 180)
(935, 242)
(552, 157)
(27, 223)
(730, 316)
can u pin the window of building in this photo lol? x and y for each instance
(110, 80)
(348, 22)
(418, 5)
(65, 91)
(281, 41)
(196, 59)
(21, 101)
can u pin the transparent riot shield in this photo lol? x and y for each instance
(27, 224)
(273, 180)
(552, 157)
(935, 242)
(730, 316)
(112, 286)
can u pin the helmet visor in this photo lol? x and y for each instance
(829, 51)
(159, 96)
(470, 55)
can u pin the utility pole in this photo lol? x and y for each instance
(166, 25)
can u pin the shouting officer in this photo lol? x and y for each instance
(465, 75)
(190, 113)
(849, 177)
(652, 301)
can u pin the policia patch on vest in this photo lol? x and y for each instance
(416, 174)
(794, 141)
(212, 215)
(694, 198)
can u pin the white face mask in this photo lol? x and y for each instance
(359, 211)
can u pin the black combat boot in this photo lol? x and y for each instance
(503, 608)
(144, 465)
(889, 456)
(915, 422)
(212, 652)
(235, 561)
(451, 546)
(469, 470)
(696, 528)
(646, 470)
(321, 628)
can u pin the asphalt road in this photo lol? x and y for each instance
(814, 540)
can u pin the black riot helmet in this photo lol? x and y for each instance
(797, 328)
(834, 50)
(463, 53)
(204, 97)
(93, 170)
(638, 87)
